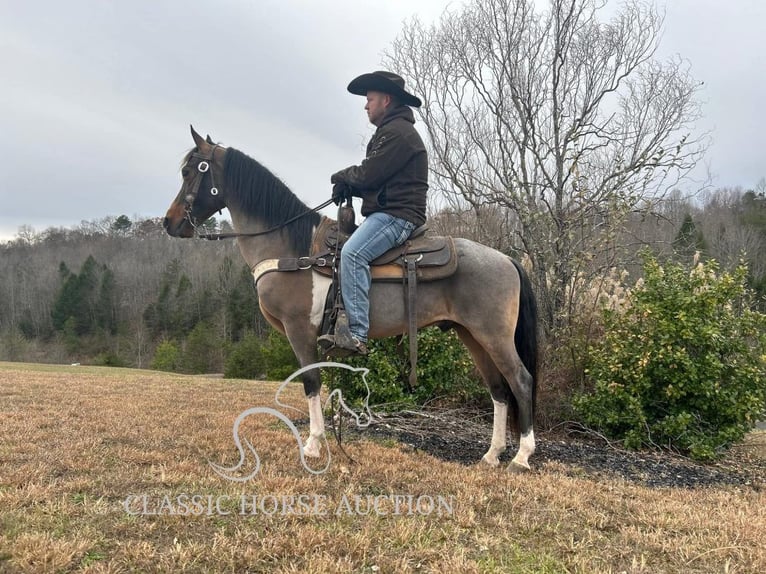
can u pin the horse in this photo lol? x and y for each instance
(488, 301)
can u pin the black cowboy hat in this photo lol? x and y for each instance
(386, 82)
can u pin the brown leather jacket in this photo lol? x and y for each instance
(393, 178)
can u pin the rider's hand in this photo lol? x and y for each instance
(340, 191)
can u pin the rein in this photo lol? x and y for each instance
(206, 165)
(219, 236)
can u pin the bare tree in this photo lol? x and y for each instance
(568, 122)
(491, 225)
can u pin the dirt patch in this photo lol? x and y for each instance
(463, 437)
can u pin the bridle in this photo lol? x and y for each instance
(205, 165)
(202, 167)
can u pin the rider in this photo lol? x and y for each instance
(392, 181)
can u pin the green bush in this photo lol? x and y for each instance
(166, 357)
(445, 370)
(683, 366)
(202, 350)
(109, 359)
(245, 360)
(279, 361)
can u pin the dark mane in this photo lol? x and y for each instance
(257, 191)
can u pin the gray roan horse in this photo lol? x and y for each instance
(488, 300)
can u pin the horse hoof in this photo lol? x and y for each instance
(516, 468)
(311, 448)
(494, 463)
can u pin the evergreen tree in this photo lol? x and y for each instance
(64, 306)
(203, 350)
(106, 307)
(242, 311)
(122, 225)
(73, 307)
(753, 212)
(162, 317)
(689, 239)
(178, 308)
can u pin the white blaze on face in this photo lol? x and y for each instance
(319, 287)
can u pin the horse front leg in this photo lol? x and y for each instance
(303, 342)
(316, 427)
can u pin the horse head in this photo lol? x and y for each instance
(199, 197)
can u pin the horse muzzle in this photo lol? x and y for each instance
(178, 227)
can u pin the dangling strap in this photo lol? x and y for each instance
(412, 312)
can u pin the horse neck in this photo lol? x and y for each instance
(255, 249)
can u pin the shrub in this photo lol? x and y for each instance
(202, 350)
(684, 365)
(109, 359)
(166, 357)
(562, 352)
(279, 361)
(445, 370)
(245, 360)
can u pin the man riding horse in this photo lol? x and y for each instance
(480, 292)
(392, 181)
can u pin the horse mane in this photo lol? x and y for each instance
(257, 191)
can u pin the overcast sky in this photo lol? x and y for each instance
(96, 96)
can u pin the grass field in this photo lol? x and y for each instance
(97, 466)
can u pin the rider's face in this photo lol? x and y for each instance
(376, 106)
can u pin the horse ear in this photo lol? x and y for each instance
(200, 143)
(209, 140)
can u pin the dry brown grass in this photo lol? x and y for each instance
(76, 441)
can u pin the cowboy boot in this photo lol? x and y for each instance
(341, 343)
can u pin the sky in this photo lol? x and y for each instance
(96, 96)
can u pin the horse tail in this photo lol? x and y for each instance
(525, 337)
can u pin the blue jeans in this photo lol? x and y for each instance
(378, 233)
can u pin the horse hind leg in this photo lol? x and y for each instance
(518, 383)
(499, 390)
(521, 385)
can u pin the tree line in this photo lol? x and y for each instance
(113, 290)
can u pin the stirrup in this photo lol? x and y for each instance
(341, 343)
(331, 349)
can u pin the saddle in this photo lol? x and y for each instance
(435, 257)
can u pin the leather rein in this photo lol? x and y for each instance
(205, 165)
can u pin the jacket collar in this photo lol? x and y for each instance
(404, 112)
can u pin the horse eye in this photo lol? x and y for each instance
(185, 172)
